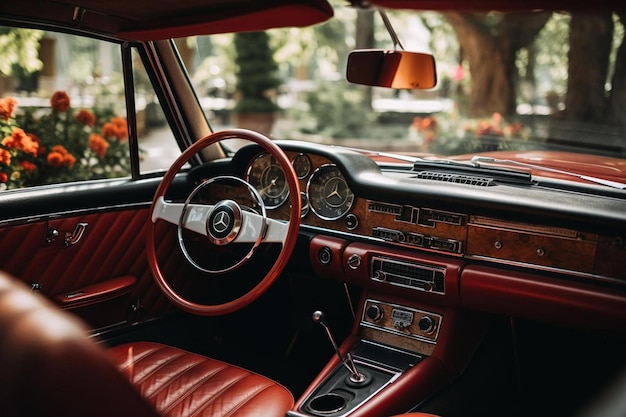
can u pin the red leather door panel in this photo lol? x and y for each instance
(104, 277)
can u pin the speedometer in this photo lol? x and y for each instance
(268, 178)
(329, 195)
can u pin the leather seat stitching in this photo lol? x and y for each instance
(247, 400)
(193, 388)
(139, 358)
(165, 362)
(169, 378)
(166, 378)
(218, 394)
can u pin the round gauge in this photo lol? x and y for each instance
(268, 178)
(329, 195)
(302, 165)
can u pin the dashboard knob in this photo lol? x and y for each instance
(325, 255)
(374, 312)
(354, 261)
(379, 276)
(426, 324)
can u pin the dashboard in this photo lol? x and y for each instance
(535, 251)
(332, 202)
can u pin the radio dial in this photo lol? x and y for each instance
(374, 312)
(379, 276)
(426, 324)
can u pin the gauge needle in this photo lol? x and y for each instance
(334, 192)
(272, 183)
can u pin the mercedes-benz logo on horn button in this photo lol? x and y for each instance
(224, 222)
(221, 221)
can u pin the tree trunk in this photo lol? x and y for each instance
(617, 97)
(490, 51)
(590, 47)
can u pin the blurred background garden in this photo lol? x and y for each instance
(504, 82)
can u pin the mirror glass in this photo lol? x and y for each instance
(393, 69)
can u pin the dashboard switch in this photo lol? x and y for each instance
(351, 221)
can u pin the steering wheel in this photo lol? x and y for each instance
(224, 223)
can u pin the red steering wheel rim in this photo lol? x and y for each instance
(287, 247)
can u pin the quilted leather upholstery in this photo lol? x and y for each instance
(50, 368)
(180, 383)
(113, 246)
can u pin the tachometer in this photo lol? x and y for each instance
(266, 175)
(329, 195)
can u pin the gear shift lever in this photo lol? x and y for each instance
(355, 377)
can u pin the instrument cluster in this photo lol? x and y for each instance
(326, 192)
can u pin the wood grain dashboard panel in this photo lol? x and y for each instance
(576, 254)
(462, 235)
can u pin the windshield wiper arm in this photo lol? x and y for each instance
(477, 160)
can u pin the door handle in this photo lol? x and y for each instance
(74, 237)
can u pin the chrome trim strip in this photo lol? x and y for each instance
(71, 213)
(569, 272)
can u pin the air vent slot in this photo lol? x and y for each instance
(455, 178)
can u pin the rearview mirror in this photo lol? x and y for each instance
(393, 69)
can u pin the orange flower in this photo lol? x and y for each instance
(98, 144)
(60, 101)
(424, 123)
(28, 166)
(59, 156)
(116, 128)
(21, 141)
(55, 159)
(60, 149)
(4, 177)
(69, 160)
(5, 157)
(109, 130)
(86, 118)
(7, 106)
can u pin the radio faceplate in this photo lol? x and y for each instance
(408, 274)
(401, 320)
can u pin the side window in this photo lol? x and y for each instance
(62, 109)
(157, 146)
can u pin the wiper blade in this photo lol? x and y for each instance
(477, 160)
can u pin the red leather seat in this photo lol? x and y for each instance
(180, 383)
(49, 367)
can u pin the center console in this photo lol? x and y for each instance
(408, 340)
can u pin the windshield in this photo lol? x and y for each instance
(522, 81)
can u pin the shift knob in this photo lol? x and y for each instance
(318, 317)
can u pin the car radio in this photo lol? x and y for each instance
(408, 274)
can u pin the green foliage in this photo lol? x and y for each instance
(338, 110)
(19, 50)
(257, 73)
